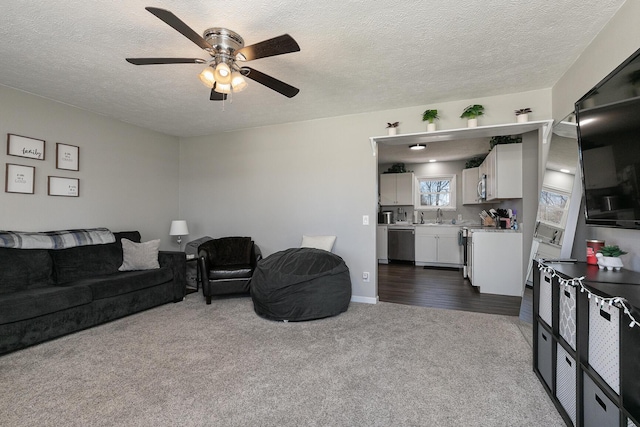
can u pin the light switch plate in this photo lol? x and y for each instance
(365, 219)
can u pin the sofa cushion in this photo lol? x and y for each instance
(85, 261)
(22, 269)
(38, 302)
(88, 261)
(139, 256)
(124, 282)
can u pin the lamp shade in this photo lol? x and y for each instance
(207, 78)
(178, 228)
(238, 83)
(222, 74)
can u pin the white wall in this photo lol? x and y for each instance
(128, 175)
(615, 43)
(316, 177)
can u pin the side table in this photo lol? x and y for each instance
(193, 259)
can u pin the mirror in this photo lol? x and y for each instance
(560, 197)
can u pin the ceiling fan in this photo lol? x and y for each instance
(223, 74)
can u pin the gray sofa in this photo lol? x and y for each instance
(47, 293)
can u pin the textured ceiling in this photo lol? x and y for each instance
(356, 55)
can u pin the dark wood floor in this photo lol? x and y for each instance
(441, 288)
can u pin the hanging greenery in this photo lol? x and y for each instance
(505, 139)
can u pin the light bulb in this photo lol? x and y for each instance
(223, 74)
(207, 77)
(238, 83)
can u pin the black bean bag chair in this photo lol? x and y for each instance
(300, 284)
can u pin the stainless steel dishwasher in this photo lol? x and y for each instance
(402, 244)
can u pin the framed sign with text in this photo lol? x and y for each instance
(67, 157)
(23, 146)
(19, 179)
(67, 187)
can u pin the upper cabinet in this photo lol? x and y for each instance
(397, 189)
(470, 183)
(503, 167)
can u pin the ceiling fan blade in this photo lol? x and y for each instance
(215, 96)
(272, 47)
(270, 82)
(151, 61)
(175, 22)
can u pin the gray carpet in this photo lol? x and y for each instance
(190, 364)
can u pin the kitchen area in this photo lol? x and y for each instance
(461, 214)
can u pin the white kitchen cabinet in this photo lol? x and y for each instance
(382, 242)
(397, 189)
(497, 262)
(503, 167)
(438, 245)
(470, 180)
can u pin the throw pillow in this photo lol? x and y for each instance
(318, 242)
(139, 256)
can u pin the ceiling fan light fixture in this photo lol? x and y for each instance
(238, 83)
(417, 147)
(207, 77)
(223, 74)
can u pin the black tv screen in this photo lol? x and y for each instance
(608, 119)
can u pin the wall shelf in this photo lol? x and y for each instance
(464, 133)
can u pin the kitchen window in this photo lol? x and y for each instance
(436, 192)
(553, 207)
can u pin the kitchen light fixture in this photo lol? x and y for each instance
(179, 228)
(432, 160)
(565, 171)
(417, 147)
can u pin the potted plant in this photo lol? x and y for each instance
(392, 128)
(471, 113)
(429, 116)
(522, 115)
(609, 258)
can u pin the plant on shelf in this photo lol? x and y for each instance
(472, 112)
(609, 258)
(474, 162)
(392, 128)
(430, 116)
(505, 139)
(397, 168)
(611, 251)
(523, 111)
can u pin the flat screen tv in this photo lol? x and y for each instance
(608, 119)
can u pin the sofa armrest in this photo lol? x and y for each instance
(203, 266)
(177, 262)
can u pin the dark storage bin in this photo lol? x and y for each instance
(598, 409)
(545, 356)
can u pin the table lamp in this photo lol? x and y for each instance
(179, 228)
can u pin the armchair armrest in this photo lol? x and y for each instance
(203, 265)
(256, 255)
(177, 262)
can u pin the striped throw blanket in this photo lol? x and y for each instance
(55, 239)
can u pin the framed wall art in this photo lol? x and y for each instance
(67, 157)
(19, 179)
(60, 186)
(23, 146)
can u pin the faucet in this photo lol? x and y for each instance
(439, 216)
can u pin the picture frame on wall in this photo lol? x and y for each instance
(19, 179)
(67, 157)
(61, 186)
(24, 146)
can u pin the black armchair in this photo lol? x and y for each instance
(226, 265)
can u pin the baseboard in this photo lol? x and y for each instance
(366, 300)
